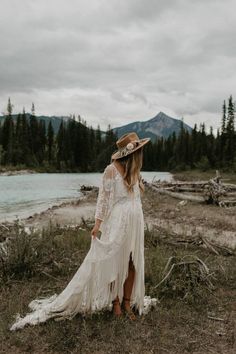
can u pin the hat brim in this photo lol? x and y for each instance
(117, 155)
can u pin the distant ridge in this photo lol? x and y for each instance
(161, 125)
(55, 120)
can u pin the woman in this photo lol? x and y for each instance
(119, 204)
(113, 269)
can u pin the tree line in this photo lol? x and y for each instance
(27, 142)
(197, 149)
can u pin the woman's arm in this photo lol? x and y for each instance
(105, 195)
(96, 227)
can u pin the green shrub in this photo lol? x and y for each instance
(203, 164)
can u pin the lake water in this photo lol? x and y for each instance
(23, 195)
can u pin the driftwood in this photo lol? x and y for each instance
(210, 192)
(230, 186)
(216, 318)
(182, 189)
(186, 268)
(4, 227)
(197, 240)
(87, 188)
(178, 195)
(224, 203)
(181, 183)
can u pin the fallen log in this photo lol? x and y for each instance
(192, 186)
(184, 189)
(186, 274)
(86, 188)
(230, 186)
(181, 183)
(210, 192)
(213, 191)
(223, 203)
(231, 194)
(168, 233)
(181, 196)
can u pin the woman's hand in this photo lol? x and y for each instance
(95, 229)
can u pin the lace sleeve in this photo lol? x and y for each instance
(105, 194)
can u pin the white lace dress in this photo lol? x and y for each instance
(101, 276)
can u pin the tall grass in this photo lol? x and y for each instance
(27, 253)
(39, 263)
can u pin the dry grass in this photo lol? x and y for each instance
(179, 324)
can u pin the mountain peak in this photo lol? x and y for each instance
(162, 116)
(161, 125)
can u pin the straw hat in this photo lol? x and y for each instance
(127, 144)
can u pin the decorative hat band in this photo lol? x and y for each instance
(127, 144)
(128, 148)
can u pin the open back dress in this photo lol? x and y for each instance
(101, 276)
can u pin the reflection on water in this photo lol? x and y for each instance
(23, 195)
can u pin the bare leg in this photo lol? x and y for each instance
(128, 286)
(116, 306)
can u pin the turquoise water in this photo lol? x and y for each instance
(23, 195)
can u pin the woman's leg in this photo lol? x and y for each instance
(116, 306)
(128, 286)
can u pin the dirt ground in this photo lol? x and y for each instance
(190, 220)
(202, 324)
(68, 213)
(162, 212)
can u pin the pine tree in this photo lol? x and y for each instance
(218, 149)
(211, 148)
(26, 139)
(34, 137)
(230, 133)
(222, 137)
(223, 124)
(8, 134)
(60, 145)
(17, 153)
(42, 141)
(50, 141)
(180, 152)
(33, 109)
(98, 140)
(78, 138)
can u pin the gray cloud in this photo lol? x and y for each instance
(118, 61)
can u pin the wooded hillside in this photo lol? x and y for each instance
(77, 147)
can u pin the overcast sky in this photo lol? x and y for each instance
(117, 61)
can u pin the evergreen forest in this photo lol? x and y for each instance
(26, 142)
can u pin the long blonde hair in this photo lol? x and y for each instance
(132, 165)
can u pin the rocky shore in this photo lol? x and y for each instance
(186, 222)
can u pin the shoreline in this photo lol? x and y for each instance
(188, 222)
(67, 213)
(167, 224)
(17, 172)
(161, 212)
(29, 171)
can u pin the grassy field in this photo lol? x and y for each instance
(190, 316)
